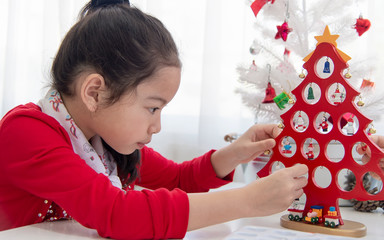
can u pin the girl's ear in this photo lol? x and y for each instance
(92, 90)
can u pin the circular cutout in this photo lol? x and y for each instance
(336, 94)
(323, 122)
(358, 153)
(287, 146)
(335, 151)
(312, 93)
(300, 121)
(372, 183)
(277, 165)
(322, 177)
(345, 176)
(349, 124)
(324, 67)
(311, 149)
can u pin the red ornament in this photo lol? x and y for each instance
(367, 84)
(282, 31)
(318, 194)
(362, 25)
(269, 94)
(258, 4)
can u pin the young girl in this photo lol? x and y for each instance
(80, 150)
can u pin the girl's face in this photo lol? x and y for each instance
(129, 123)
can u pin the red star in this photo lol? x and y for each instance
(282, 31)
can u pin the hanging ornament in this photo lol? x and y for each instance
(302, 74)
(282, 99)
(310, 154)
(258, 4)
(269, 91)
(367, 84)
(348, 74)
(326, 67)
(360, 103)
(337, 96)
(349, 128)
(267, 152)
(254, 50)
(285, 66)
(362, 25)
(253, 66)
(310, 96)
(282, 31)
(269, 94)
(371, 130)
(324, 123)
(286, 146)
(300, 123)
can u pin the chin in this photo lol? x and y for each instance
(126, 151)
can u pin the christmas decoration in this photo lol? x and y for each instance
(269, 94)
(326, 67)
(269, 91)
(310, 95)
(367, 84)
(319, 196)
(258, 4)
(282, 99)
(282, 31)
(362, 25)
(305, 19)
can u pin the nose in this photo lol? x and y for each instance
(155, 126)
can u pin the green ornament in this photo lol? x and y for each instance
(281, 100)
(310, 94)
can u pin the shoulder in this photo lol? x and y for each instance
(29, 120)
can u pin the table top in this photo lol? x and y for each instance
(71, 230)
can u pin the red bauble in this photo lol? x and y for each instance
(282, 31)
(362, 25)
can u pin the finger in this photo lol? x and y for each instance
(299, 170)
(301, 182)
(298, 193)
(359, 149)
(363, 148)
(264, 131)
(276, 131)
(379, 140)
(263, 145)
(257, 148)
(365, 159)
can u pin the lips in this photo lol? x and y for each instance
(142, 144)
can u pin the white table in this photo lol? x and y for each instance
(72, 230)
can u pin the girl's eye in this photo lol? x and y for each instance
(153, 110)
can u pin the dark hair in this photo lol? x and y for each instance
(121, 43)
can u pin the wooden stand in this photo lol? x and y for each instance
(349, 229)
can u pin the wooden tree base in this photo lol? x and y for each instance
(349, 229)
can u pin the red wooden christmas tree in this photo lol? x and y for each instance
(325, 113)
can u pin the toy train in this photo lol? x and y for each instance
(315, 216)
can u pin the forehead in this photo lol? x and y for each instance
(163, 84)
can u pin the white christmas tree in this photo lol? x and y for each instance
(284, 34)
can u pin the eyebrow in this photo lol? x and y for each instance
(160, 99)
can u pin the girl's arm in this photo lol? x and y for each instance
(263, 197)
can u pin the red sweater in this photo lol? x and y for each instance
(41, 176)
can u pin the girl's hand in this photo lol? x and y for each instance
(364, 150)
(276, 192)
(247, 147)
